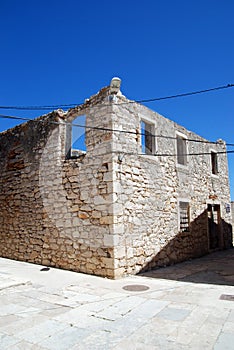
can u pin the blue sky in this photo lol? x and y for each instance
(60, 52)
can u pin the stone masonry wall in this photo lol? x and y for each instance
(150, 188)
(58, 211)
(111, 211)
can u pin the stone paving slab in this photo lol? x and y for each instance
(59, 309)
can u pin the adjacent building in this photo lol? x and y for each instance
(135, 191)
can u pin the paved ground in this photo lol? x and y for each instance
(187, 306)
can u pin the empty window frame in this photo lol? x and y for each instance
(78, 136)
(184, 217)
(147, 137)
(181, 147)
(214, 163)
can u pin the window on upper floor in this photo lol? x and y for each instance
(78, 136)
(184, 217)
(147, 137)
(214, 163)
(181, 147)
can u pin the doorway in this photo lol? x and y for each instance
(214, 229)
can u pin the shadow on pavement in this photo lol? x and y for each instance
(215, 268)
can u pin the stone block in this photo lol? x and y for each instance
(120, 252)
(108, 263)
(119, 272)
(108, 177)
(107, 220)
(111, 240)
(99, 200)
(83, 215)
(96, 214)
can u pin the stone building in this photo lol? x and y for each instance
(136, 191)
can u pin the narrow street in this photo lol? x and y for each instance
(186, 306)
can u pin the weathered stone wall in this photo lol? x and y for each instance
(150, 188)
(58, 211)
(22, 215)
(111, 211)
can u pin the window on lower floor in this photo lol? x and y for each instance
(181, 145)
(214, 163)
(147, 138)
(184, 218)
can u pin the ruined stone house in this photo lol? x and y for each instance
(137, 190)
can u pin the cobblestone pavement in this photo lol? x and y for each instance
(186, 306)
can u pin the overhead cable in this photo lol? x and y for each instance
(185, 154)
(187, 93)
(71, 105)
(136, 133)
(173, 154)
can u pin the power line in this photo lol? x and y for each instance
(70, 105)
(172, 154)
(185, 154)
(39, 108)
(188, 93)
(2, 116)
(135, 133)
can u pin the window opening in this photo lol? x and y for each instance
(181, 150)
(147, 138)
(214, 163)
(184, 216)
(78, 145)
